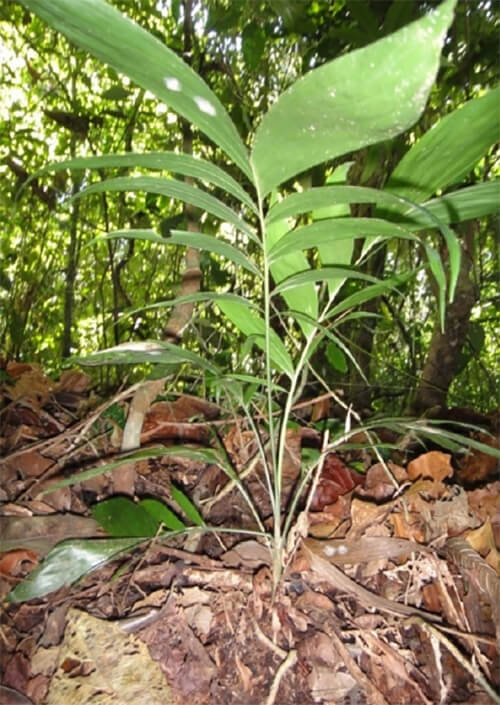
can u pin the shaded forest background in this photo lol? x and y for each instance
(60, 297)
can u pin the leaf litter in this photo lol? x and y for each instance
(392, 595)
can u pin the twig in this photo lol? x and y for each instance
(268, 642)
(290, 661)
(473, 670)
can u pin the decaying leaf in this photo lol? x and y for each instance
(99, 663)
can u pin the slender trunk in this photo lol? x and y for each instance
(71, 269)
(191, 278)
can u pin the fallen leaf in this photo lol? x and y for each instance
(99, 663)
(433, 465)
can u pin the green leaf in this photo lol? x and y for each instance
(175, 189)
(190, 239)
(327, 232)
(68, 562)
(116, 92)
(465, 204)
(303, 299)
(321, 274)
(368, 293)
(253, 43)
(199, 297)
(322, 197)
(147, 351)
(366, 96)
(184, 164)
(162, 514)
(251, 324)
(100, 29)
(336, 358)
(448, 151)
(120, 516)
(187, 506)
(213, 244)
(437, 269)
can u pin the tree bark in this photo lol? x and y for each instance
(191, 278)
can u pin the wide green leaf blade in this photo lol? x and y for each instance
(153, 352)
(162, 514)
(67, 562)
(467, 203)
(366, 96)
(303, 299)
(335, 252)
(174, 189)
(250, 324)
(320, 275)
(327, 232)
(120, 516)
(107, 34)
(185, 164)
(449, 151)
(321, 197)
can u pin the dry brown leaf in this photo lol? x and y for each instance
(99, 663)
(30, 464)
(33, 385)
(433, 465)
(40, 533)
(73, 381)
(11, 562)
(250, 554)
(482, 540)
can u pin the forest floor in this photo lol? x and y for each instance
(391, 595)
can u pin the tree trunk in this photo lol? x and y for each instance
(443, 358)
(191, 278)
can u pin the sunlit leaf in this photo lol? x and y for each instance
(321, 197)
(368, 293)
(199, 297)
(449, 151)
(327, 232)
(363, 97)
(465, 204)
(152, 352)
(213, 244)
(184, 164)
(113, 38)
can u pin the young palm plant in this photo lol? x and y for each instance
(359, 99)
